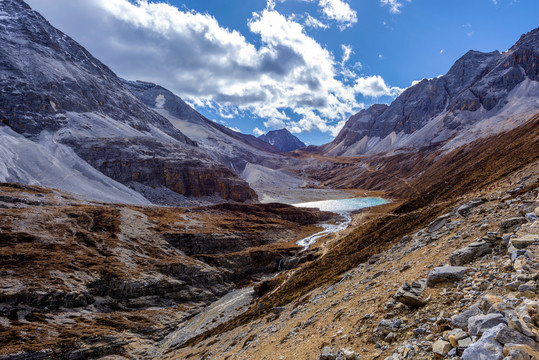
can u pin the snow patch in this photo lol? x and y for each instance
(160, 101)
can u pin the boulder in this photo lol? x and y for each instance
(508, 225)
(461, 320)
(486, 348)
(327, 354)
(511, 336)
(464, 343)
(479, 324)
(515, 322)
(523, 242)
(466, 254)
(441, 348)
(446, 274)
(411, 295)
(520, 351)
(455, 336)
(438, 223)
(465, 209)
(347, 354)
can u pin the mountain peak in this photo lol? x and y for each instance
(282, 140)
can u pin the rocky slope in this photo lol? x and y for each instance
(61, 102)
(85, 280)
(482, 94)
(283, 140)
(476, 298)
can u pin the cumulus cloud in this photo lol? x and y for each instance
(335, 10)
(339, 11)
(375, 86)
(210, 66)
(394, 5)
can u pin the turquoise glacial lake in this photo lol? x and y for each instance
(344, 205)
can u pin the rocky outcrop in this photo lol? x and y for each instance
(446, 274)
(159, 165)
(282, 140)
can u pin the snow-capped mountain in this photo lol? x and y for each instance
(67, 121)
(482, 94)
(283, 140)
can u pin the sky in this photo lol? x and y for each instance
(307, 65)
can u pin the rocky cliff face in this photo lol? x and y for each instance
(55, 93)
(477, 95)
(283, 140)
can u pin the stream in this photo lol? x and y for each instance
(344, 208)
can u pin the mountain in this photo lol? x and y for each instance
(68, 121)
(283, 140)
(231, 148)
(265, 168)
(482, 94)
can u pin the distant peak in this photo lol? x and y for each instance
(283, 140)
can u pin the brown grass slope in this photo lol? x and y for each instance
(438, 188)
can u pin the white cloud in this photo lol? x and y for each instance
(394, 5)
(258, 132)
(234, 128)
(274, 123)
(375, 86)
(314, 22)
(218, 68)
(339, 11)
(346, 53)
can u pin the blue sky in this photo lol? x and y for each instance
(258, 65)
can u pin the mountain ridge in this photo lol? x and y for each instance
(478, 87)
